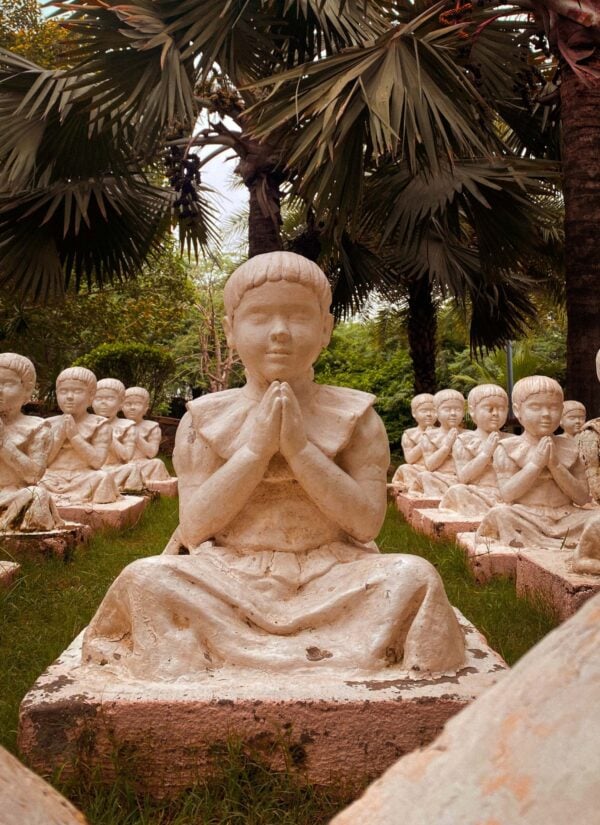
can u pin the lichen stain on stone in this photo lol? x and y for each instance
(57, 684)
(411, 684)
(315, 654)
(478, 654)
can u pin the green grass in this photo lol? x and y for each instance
(52, 601)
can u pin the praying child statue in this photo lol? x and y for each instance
(147, 435)
(437, 444)
(282, 491)
(423, 411)
(540, 475)
(80, 444)
(25, 443)
(473, 453)
(109, 398)
(573, 418)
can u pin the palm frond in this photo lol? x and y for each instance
(76, 233)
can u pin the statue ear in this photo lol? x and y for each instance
(228, 330)
(328, 322)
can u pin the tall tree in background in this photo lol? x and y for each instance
(325, 97)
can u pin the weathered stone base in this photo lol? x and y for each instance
(118, 514)
(441, 523)
(548, 575)
(335, 727)
(407, 505)
(167, 487)
(488, 559)
(8, 572)
(60, 543)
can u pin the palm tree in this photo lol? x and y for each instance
(318, 98)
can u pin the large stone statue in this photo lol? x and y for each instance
(437, 445)
(25, 444)
(109, 398)
(282, 491)
(147, 435)
(473, 453)
(540, 476)
(80, 444)
(423, 411)
(573, 418)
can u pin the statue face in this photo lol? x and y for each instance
(450, 413)
(279, 330)
(12, 392)
(107, 403)
(135, 407)
(540, 413)
(490, 414)
(425, 415)
(74, 397)
(573, 421)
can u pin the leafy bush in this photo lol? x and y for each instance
(141, 365)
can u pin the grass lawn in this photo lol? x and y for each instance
(52, 601)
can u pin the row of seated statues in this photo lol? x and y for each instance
(533, 489)
(75, 457)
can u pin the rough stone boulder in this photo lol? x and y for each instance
(525, 752)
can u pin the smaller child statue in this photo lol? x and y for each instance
(473, 453)
(147, 435)
(80, 444)
(423, 411)
(437, 445)
(540, 476)
(110, 395)
(573, 418)
(25, 443)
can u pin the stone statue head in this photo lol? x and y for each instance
(136, 403)
(538, 402)
(573, 417)
(423, 409)
(488, 407)
(277, 315)
(17, 381)
(75, 390)
(450, 407)
(110, 394)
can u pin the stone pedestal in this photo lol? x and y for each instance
(166, 487)
(336, 728)
(488, 559)
(117, 515)
(443, 524)
(8, 572)
(408, 504)
(548, 575)
(60, 543)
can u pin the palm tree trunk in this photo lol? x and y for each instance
(422, 331)
(580, 112)
(264, 215)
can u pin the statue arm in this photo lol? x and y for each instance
(468, 468)
(57, 440)
(149, 443)
(513, 482)
(572, 483)
(411, 448)
(124, 447)
(211, 494)
(352, 492)
(436, 457)
(30, 465)
(588, 443)
(94, 452)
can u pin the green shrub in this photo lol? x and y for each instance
(136, 365)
